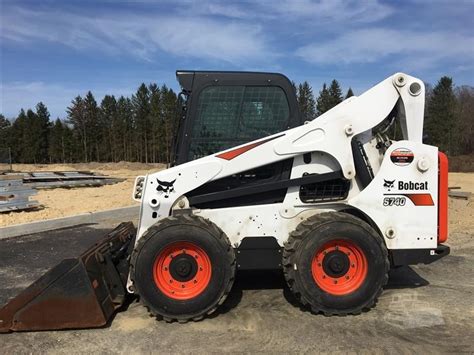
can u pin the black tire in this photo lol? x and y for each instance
(309, 238)
(183, 229)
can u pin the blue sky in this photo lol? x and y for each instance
(52, 51)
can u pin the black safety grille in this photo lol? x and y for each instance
(330, 190)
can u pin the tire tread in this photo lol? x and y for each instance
(187, 219)
(295, 239)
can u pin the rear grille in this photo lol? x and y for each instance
(330, 190)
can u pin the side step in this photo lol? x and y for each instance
(77, 293)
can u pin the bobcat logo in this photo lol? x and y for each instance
(388, 184)
(166, 187)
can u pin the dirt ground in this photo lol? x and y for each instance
(68, 202)
(425, 309)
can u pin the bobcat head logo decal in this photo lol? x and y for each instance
(166, 187)
(388, 184)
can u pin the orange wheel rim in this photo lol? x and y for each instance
(339, 267)
(182, 270)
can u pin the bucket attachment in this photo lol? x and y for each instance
(77, 293)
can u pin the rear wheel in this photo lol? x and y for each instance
(183, 268)
(336, 264)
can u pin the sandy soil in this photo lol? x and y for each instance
(461, 212)
(68, 202)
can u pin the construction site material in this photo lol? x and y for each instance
(15, 195)
(116, 214)
(460, 194)
(86, 290)
(67, 179)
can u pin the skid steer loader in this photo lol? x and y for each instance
(334, 203)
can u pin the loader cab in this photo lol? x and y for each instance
(221, 110)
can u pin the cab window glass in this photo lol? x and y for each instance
(231, 115)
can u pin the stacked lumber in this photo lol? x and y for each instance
(458, 194)
(67, 179)
(14, 195)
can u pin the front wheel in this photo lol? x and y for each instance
(183, 268)
(336, 264)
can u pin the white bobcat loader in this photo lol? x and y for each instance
(334, 203)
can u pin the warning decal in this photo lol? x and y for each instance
(402, 156)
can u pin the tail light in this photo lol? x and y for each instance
(442, 197)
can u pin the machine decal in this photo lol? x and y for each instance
(402, 156)
(231, 154)
(417, 199)
(394, 201)
(166, 187)
(410, 185)
(388, 184)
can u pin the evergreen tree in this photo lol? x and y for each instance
(125, 127)
(78, 119)
(108, 127)
(349, 93)
(92, 112)
(170, 119)
(18, 127)
(30, 137)
(56, 149)
(306, 102)
(5, 130)
(323, 103)
(440, 119)
(156, 121)
(141, 108)
(335, 93)
(41, 126)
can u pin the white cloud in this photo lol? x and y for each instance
(419, 49)
(142, 36)
(332, 10)
(310, 11)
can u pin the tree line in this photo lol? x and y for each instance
(142, 127)
(138, 128)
